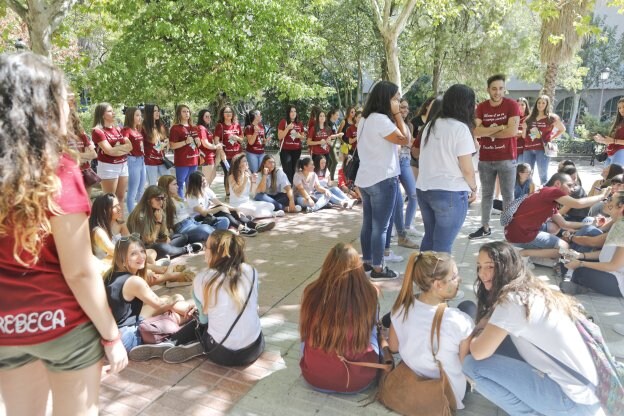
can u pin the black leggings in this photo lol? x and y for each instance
(332, 163)
(226, 173)
(174, 248)
(289, 160)
(604, 283)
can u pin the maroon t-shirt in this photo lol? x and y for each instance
(538, 132)
(316, 136)
(36, 304)
(257, 147)
(351, 133)
(81, 143)
(113, 136)
(136, 138)
(206, 156)
(532, 213)
(291, 143)
(187, 155)
(231, 146)
(497, 149)
(153, 152)
(619, 136)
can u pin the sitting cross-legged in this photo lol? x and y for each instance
(309, 193)
(241, 183)
(338, 196)
(274, 187)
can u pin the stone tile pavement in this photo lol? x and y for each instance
(289, 258)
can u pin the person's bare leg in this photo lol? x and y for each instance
(76, 392)
(210, 172)
(25, 389)
(109, 186)
(120, 192)
(547, 253)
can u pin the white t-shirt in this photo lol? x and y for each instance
(204, 201)
(614, 240)
(181, 211)
(415, 349)
(438, 164)
(309, 183)
(281, 181)
(555, 333)
(222, 315)
(379, 159)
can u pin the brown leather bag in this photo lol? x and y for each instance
(410, 394)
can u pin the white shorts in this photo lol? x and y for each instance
(112, 170)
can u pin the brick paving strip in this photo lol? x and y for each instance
(288, 259)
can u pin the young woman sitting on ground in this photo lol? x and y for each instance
(106, 231)
(337, 320)
(179, 219)
(148, 219)
(339, 197)
(241, 183)
(273, 187)
(226, 295)
(308, 191)
(203, 204)
(524, 184)
(538, 320)
(127, 291)
(437, 277)
(607, 173)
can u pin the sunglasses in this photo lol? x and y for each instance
(133, 236)
(160, 198)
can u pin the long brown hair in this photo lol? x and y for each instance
(178, 115)
(170, 208)
(619, 119)
(235, 166)
(273, 175)
(120, 257)
(129, 118)
(338, 310)
(423, 269)
(141, 220)
(31, 143)
(227, 255)
(535, 111)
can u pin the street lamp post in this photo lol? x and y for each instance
(604, 76)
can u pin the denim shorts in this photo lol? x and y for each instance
(542, 240)
(79, 348)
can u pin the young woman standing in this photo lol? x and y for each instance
(290, 134)
(112, 150)
(230, 134)
(256, 140)
(136, 160)
(332, 162)
(208, 149)
(320, 138)
(525, 110)
(540, 128)
(406, 177)
(78, 140)
(155, 143)
(184, 140)
(615, 140)
(57, 325)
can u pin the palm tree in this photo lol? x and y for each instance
(560, 39)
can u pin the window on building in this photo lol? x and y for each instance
(564, 109)
(610, 108)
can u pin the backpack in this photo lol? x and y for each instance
(507, 214)
(351, 166)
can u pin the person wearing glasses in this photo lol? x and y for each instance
(541, 324)
(230, 134)
(529, 226)
(127, 291)
(56, 324)
(437, 277)
(148, 219)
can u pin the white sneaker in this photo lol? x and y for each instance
(392, 258)
(414, 231)
(279, 213)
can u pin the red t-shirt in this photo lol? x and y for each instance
(291, 143)
(187, 155)
(83, 142)
(538, 132)
(497, 149)
(311, 124)
(351, 133)
(113, 136)
(136, 138)
(231, 146)
(153, 152)
(619, 136)
(520, 145)
(257, 147)
(318, 136)
(206, 156)
(532, 213)
(36, 305)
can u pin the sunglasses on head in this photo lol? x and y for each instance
(133, 236)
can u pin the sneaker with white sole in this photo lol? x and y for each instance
(182, 353)
(407, 243)
(265, 226)
(384, 274)
(367, 268)
(414, 232)
(145, 352)
(278, 213)
(480, 233)
(392, 258)
(248, 232)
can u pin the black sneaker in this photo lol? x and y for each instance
(146, 351)
(265, 226)
(248, 232)
(194, 248)
(182, 353)
(384, 274)
(480, 233)
(367, 268)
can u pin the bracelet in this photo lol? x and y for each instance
(111, 342)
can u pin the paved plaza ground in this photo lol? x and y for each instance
(288, 259)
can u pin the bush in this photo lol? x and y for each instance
(592, 126)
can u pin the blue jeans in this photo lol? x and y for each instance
(155, 172)
(320, 200)
(377, 204)
(519, 389)
(279, 200)
(617, 158)
(409, 184)
(520, 159)
(254, 161)
(542, 240)
(443, 214)
(136, 180)
(588, 230)
(198, 232)
(397, 219)
(339, 196)
(182, 176)
(533, 156)
(130, 336)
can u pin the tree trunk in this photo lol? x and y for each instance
(550, 80)
(573, 114)
(360, 87)
(392, 59)
(40, 34)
